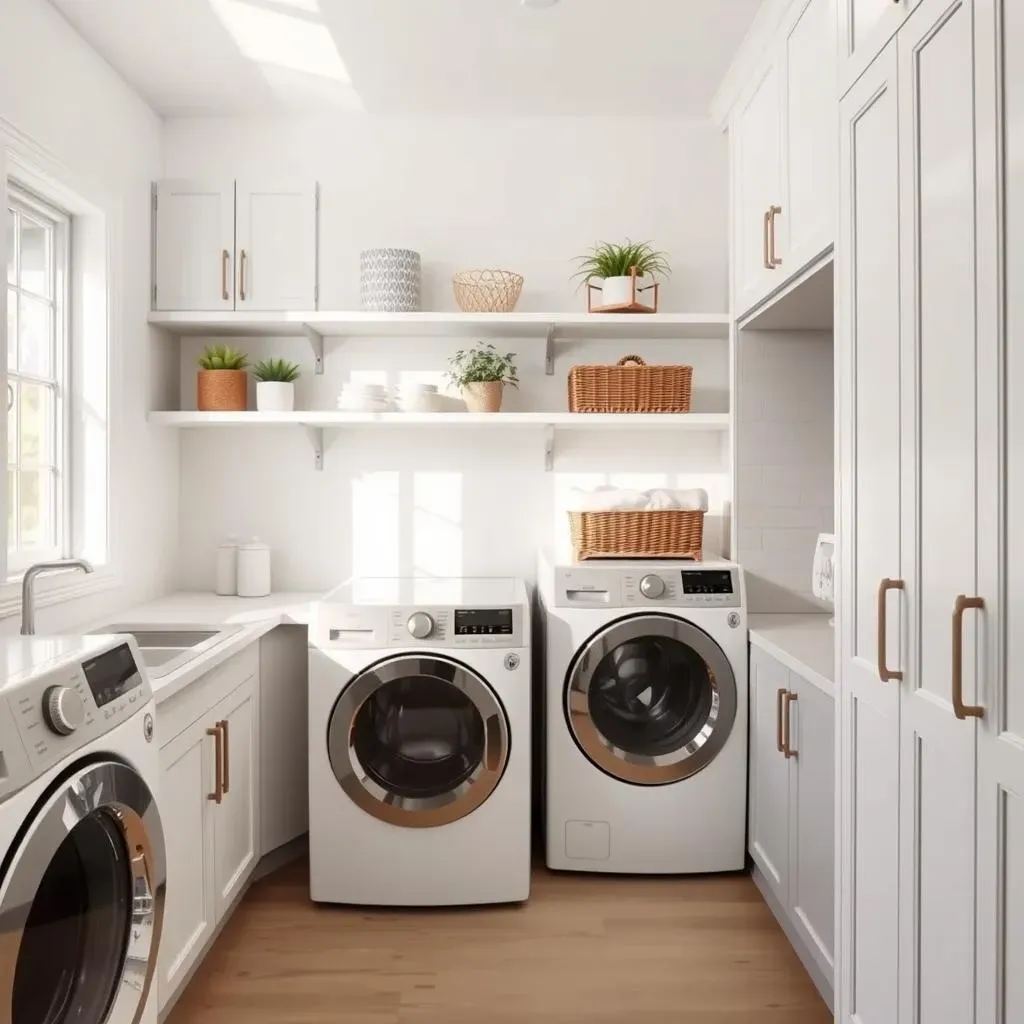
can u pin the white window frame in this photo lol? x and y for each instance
(25, 201)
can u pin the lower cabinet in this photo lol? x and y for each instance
(209, 798)
(792, 808)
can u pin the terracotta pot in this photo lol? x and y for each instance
(483, 396)
(221, 391)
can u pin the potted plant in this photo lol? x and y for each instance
(481, 375)
(220, 383)
(616, 266)
(275, 385)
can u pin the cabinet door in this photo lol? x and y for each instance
(757, 181)
(236, 824)
(186, 778)
(277, 246)
(865, 26)
(939, 372)
(194, 245)
(769, 774)
(868, 417)
(806, 226)
(812, 818)
(999, 92)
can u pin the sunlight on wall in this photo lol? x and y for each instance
(437, 536)
(376, 524)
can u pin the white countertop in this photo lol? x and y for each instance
(804, 643)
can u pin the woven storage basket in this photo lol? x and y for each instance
(666, 533)
(630, 386)
(487, 291)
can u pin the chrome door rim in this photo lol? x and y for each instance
(413, 812)
(113, 788)
(661, 769)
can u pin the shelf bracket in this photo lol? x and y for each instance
(549, 448)
(316, 439)
(549, 353)
(316, 340)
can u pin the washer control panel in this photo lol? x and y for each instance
(648, 584)
(354, 627)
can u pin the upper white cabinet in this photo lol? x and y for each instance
(865, 26)
(234, 246)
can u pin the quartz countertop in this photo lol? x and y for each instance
(804, 643)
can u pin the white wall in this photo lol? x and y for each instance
(525, 194)
(784, 471)
(82, 126)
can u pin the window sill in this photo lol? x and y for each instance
(56, 588)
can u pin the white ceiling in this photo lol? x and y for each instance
(418, 57)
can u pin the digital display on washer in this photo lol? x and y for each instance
(707, 581)
(111, 674)
(483, 622)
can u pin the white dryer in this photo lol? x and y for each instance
(645, 716)
(419, 743)
(82, 861)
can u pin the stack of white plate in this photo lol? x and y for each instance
(364, 398)
(419, 398)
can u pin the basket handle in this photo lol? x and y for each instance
(626, 360)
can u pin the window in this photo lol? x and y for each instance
(38, 376)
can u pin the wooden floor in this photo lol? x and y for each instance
(584, 950)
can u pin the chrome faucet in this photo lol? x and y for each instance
(28, 587)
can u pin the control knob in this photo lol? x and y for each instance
(652, 586)
(63, 710)
(420, 625)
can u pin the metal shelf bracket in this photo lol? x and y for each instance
(549, 353)
(549, 448)
(316, 340)
(316, 439)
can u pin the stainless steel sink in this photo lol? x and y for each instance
(166, 650)
(180, 638)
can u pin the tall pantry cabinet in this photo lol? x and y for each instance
(932, 563)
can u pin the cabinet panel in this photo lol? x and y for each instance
(865, 28)
(939, 441)
(277, 247)
(867, 267)
(186, 767)
(194, 245)
(236, 825)
(769, 775)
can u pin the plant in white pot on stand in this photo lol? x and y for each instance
(275, 385)
(617, 268)
(481, 375)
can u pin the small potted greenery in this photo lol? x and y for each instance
(481, 375)
(220, 383)
(275, 385)
(613, 267)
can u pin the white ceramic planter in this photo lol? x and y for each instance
(275, 396)
(617, 291)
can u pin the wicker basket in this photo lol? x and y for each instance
(487, 291)
(630, 386)
(666, 533)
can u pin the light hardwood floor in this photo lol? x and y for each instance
(584, 950)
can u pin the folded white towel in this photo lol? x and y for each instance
(611, 499)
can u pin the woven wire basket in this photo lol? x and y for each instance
(665, 533)
(630, 386)
(487, 291)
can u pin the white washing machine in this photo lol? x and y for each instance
(82, 860)
(419, 743)
(645, 716)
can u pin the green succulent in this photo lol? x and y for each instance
(482, 363)
(222, 357)
(607, 260)
(279, 370)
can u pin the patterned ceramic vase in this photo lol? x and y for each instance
(389, 280)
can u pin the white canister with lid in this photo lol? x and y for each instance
(253, 569)
(225, 573)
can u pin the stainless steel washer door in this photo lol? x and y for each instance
(418, 741)
(650, 699)
(81, 903)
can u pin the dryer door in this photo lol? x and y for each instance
(650, 699)
(418, 741)
(81, 902)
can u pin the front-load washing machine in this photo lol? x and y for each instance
(82, 860)
(419, 743)
(645, 715)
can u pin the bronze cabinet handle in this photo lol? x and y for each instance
(223, 726)
(225, 257)
(241, 275)
(884, 673)
(766, 256)
(960, 709)
(780, 697)
(773, 260)
(218, 790)
(787, 730)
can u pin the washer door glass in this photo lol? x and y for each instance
(418, 741)
(81, 903)
(651, 699)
